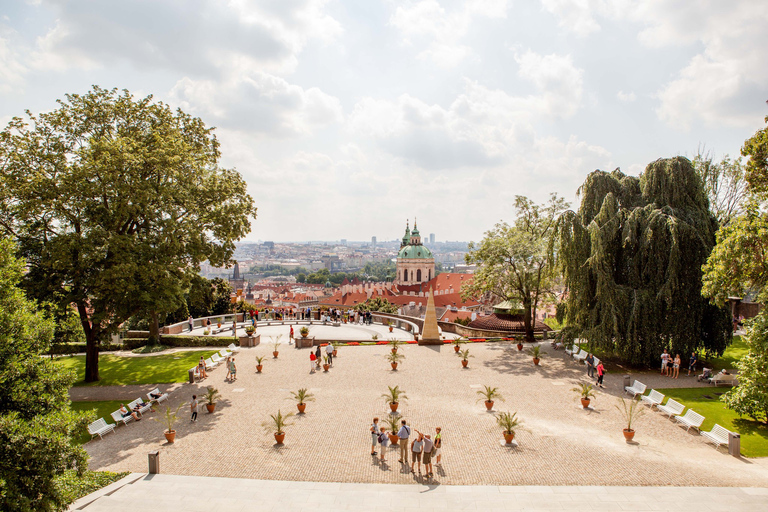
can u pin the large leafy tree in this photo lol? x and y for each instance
(114, 202)
(750, 397)
(515, 263)
(379, 304)
(36, 423)
(632, 257)
(724, 184)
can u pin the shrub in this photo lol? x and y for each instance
(198, 341)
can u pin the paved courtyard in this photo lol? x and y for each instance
(559, 444)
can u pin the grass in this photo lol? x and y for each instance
(121, 371)
(102, 410)
(754, 435)
(735, 351)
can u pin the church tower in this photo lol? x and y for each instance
(415, 263)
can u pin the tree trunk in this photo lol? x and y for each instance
(91, 345)
(528, 323)
(154, 328)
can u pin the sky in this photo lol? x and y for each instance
(348, 117)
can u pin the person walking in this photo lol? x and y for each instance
(191, 323)
(234, 326)
(233, 369)
(600, 374)
(193, 407)
(403, 434)
(692, 364)
(329, 353)
(590, 360)
(318, 356)
(438, 445)
(290, 336)
(226, 365)
(374, 435)
(417, 447)
(384, 442)
(427, 457)
(312, 362)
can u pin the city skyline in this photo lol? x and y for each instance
(348, 118)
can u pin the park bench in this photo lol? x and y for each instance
(225, 353)
(582, 355)
(637, 388)
(210, 364)
(671, 408)
(725, 379)
(572, 350)
(717, 435)
(143, 406)
(216, 358)
(100, 427)
(118, 417)
(690, 419)
(233, 347)
(653, 398)
(156, 391)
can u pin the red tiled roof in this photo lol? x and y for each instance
(502, 322)
(452, 316)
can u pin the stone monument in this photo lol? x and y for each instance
(430, 334)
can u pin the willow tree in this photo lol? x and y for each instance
(115, 202)
(631, 258)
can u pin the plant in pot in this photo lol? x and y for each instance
(585, 392)
(326, 364)
(457, 344)
(259, 363)
(535, 351)
(302, 396)
(393, 397)
(395, 343)
(392, 423)
(507, 421)
(394, 358)
(212, 395)
(276, 345)
(168, 420)
(206, 332)
(465, 357)
(519, 344)
(335, 345)
(391, 325)
(304, 331)
(249, 330)
(631, 410)
(488, 395)
(218, 323)
(277, 425)
(375, 337)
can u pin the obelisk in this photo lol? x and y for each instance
(430, 334)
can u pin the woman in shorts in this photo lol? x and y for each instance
(438, 445)
(233, 369)
(417, 446)
(676, 367)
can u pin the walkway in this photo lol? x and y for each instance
(167, 493)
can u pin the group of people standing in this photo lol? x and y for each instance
(422, 447)
(674, 372)
(316, 357)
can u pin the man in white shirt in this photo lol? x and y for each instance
(404, 433)
(329, 353)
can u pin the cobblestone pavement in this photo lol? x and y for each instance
(559, 444)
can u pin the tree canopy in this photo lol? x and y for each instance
(115, 201)
(377, 304)
(36, 423)
(631, 258)
(516, 263)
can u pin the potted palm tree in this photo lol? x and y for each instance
(375, 337)
(507, 421)
(259, 363)
(393, 397)
(631, 410)
(302, 396)
(218, 323)
(276, 345)
(489, 394)
(326, 365)
(394, 358)
(457, 344)
(304, 331)
(277, 425)
(335, 345)
(168, 420)
(212, 395)
(465, 357)
(395, 343)
(391, 325)
(585, 392)
(393, 425)
(519, 344)
(535, 351)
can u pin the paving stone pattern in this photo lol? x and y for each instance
(559, 442)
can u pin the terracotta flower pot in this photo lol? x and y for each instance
(334, 353)
(629, 434)
(464, 363)
(210, 407)
(304, 334)
(456, 348)
(390, 328)
(279, 437)
(489, 404)
(274, 354)
(519, 346)
(585, 402)
(259, 367)
(301, 407)
(393, 439)
(394, 366)
(394, 350)
(536, 361)
(170, 436)
(326, 366)
(218, 325)
(508, 437)
(393, 406)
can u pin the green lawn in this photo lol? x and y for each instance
(103, 410)
(120, 371)
(754, 435)
(736, 350)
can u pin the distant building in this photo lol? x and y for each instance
(269, 245)
(431, 239)
(373, 241)
(343, 241)
(237, 282)
(415, 263)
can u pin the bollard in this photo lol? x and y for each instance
(154, 462)
(192, 375)
(734, 444)
(626, 381)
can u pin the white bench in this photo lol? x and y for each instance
(233, 347)
(637, 388)
(653, 398)
(143, 406)
(225, 353)
(156, 391)
(119, 418)
(210, 364)
(581, 355)
(573, 350)
(216, 358)
(100, 427)
(726, 379)
(690, 419)
(717, 435)
(671, 408)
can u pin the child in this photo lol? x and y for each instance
(312, 359)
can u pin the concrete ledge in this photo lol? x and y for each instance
(105, 491)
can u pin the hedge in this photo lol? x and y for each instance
(79, 348)
(198, 341)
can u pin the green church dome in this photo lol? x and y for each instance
(415, 252)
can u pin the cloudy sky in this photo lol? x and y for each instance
(347, 117)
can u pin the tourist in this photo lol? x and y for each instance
(234, 327)
(590, 360)
(125, 412)
(427, 457)
(191, 323)
(404, 433)
(600, 374)
(417, 447)
(329, 353)
(318, 356)
(290, 336)
(208, 323)
(312, 362)
(384, 442)
(692, 364)
(664, 363)
(374, 435)
(233, 369)
(438, 445)
(193, 408)
(201, 368)
(676, 366)
(229, 373)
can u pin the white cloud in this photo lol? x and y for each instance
(579, 16)
(258, 102)
(560, 83)
(626, 97)
(12, 70)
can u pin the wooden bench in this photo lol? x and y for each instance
(690, 419)
(717, 435)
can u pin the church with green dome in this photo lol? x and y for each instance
(415, 263)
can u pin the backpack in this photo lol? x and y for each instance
(382, 437)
